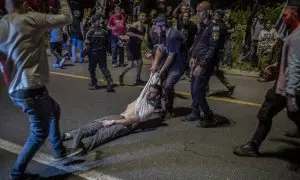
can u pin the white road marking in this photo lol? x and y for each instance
(47, 160)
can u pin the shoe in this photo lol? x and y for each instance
(230, 90)
(94, 87)
(292, 134)
(206, 122)
(110, 88)
(56, 65)
(66, 137)
(247, 150)
(68, 153)
(169, 115)
(115, 65)
(81, 60)
(25, 176)
(193, 116)
(121, 80)
(62, 62)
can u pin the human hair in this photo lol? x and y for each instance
(157, 87)
(206, 4)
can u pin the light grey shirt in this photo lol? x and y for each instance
(23, 54)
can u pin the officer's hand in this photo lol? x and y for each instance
(292, 104)
(197, 70)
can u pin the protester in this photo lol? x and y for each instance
(136, 33)
(26, 73)
(285, 92)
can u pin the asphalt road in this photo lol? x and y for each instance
(169, 150)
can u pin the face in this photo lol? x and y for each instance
(142, 17)
(122, 11)
(152, 93)
(268, 25)
(169, 8)
(153, 13)
(202, 14)
(185, 17)
(289, 16)
(118, 11)
(260, 17)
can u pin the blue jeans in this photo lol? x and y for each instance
(198, 90)
(77, 43)
(115, 47)
(169, 80)
(228, 52)
(43, 114)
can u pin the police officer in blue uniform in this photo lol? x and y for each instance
(96, 42)
(204, 59)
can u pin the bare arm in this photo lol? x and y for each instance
(47, 21)
(168, 62)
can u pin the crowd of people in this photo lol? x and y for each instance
(183, 48)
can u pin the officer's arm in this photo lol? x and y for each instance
(293, 73)
(212, 48)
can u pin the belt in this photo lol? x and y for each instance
(30, 93)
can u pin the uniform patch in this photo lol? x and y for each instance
(216, 32)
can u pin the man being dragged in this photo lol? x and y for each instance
(104, 130)
(136, 33)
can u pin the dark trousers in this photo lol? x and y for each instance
(56, 50)
(96, 134)
(43, 114)
(169, 80)
(198, 90)
(99, 58)
(254, 58)
(273, 104)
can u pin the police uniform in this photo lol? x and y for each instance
(96, 42)
(204, 52)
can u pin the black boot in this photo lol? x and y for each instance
(208, 121)
(251, 149)
(94, 86)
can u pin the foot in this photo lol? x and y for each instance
(94, 87)
(110, 88)
(247, 150)
(292, 134)
(191, 117)
(56, 66)
(68, 153)
(66, 137)
(62, 62)
(139, 82)
(206, 122)
(230, 90)
(121, 80)
(25, 176)
(115, 65)
(169, 115)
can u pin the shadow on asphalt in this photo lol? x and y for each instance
(149, 125)
(181, 111)
(289, 153)
(220, 94)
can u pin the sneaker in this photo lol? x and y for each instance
(110, 88)
(191, 117)
(121, 80)
(62, 62)
(56, 65)
(25, 176)
(94, 87)
(247, 150)
(66, 137)
(68, 153)
(230, 90)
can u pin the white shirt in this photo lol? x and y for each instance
(25, 63)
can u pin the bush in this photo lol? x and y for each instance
(239, 19)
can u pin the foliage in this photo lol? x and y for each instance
(239, 19)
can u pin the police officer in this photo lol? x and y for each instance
(218, 19)
(204, 59)
(96, 42)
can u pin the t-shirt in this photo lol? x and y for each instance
(119, 23)
(256, 29)
(175, 44)
(142, 112)
(267, 39)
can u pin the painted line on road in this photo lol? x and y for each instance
(235, 101)
(46, 159)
